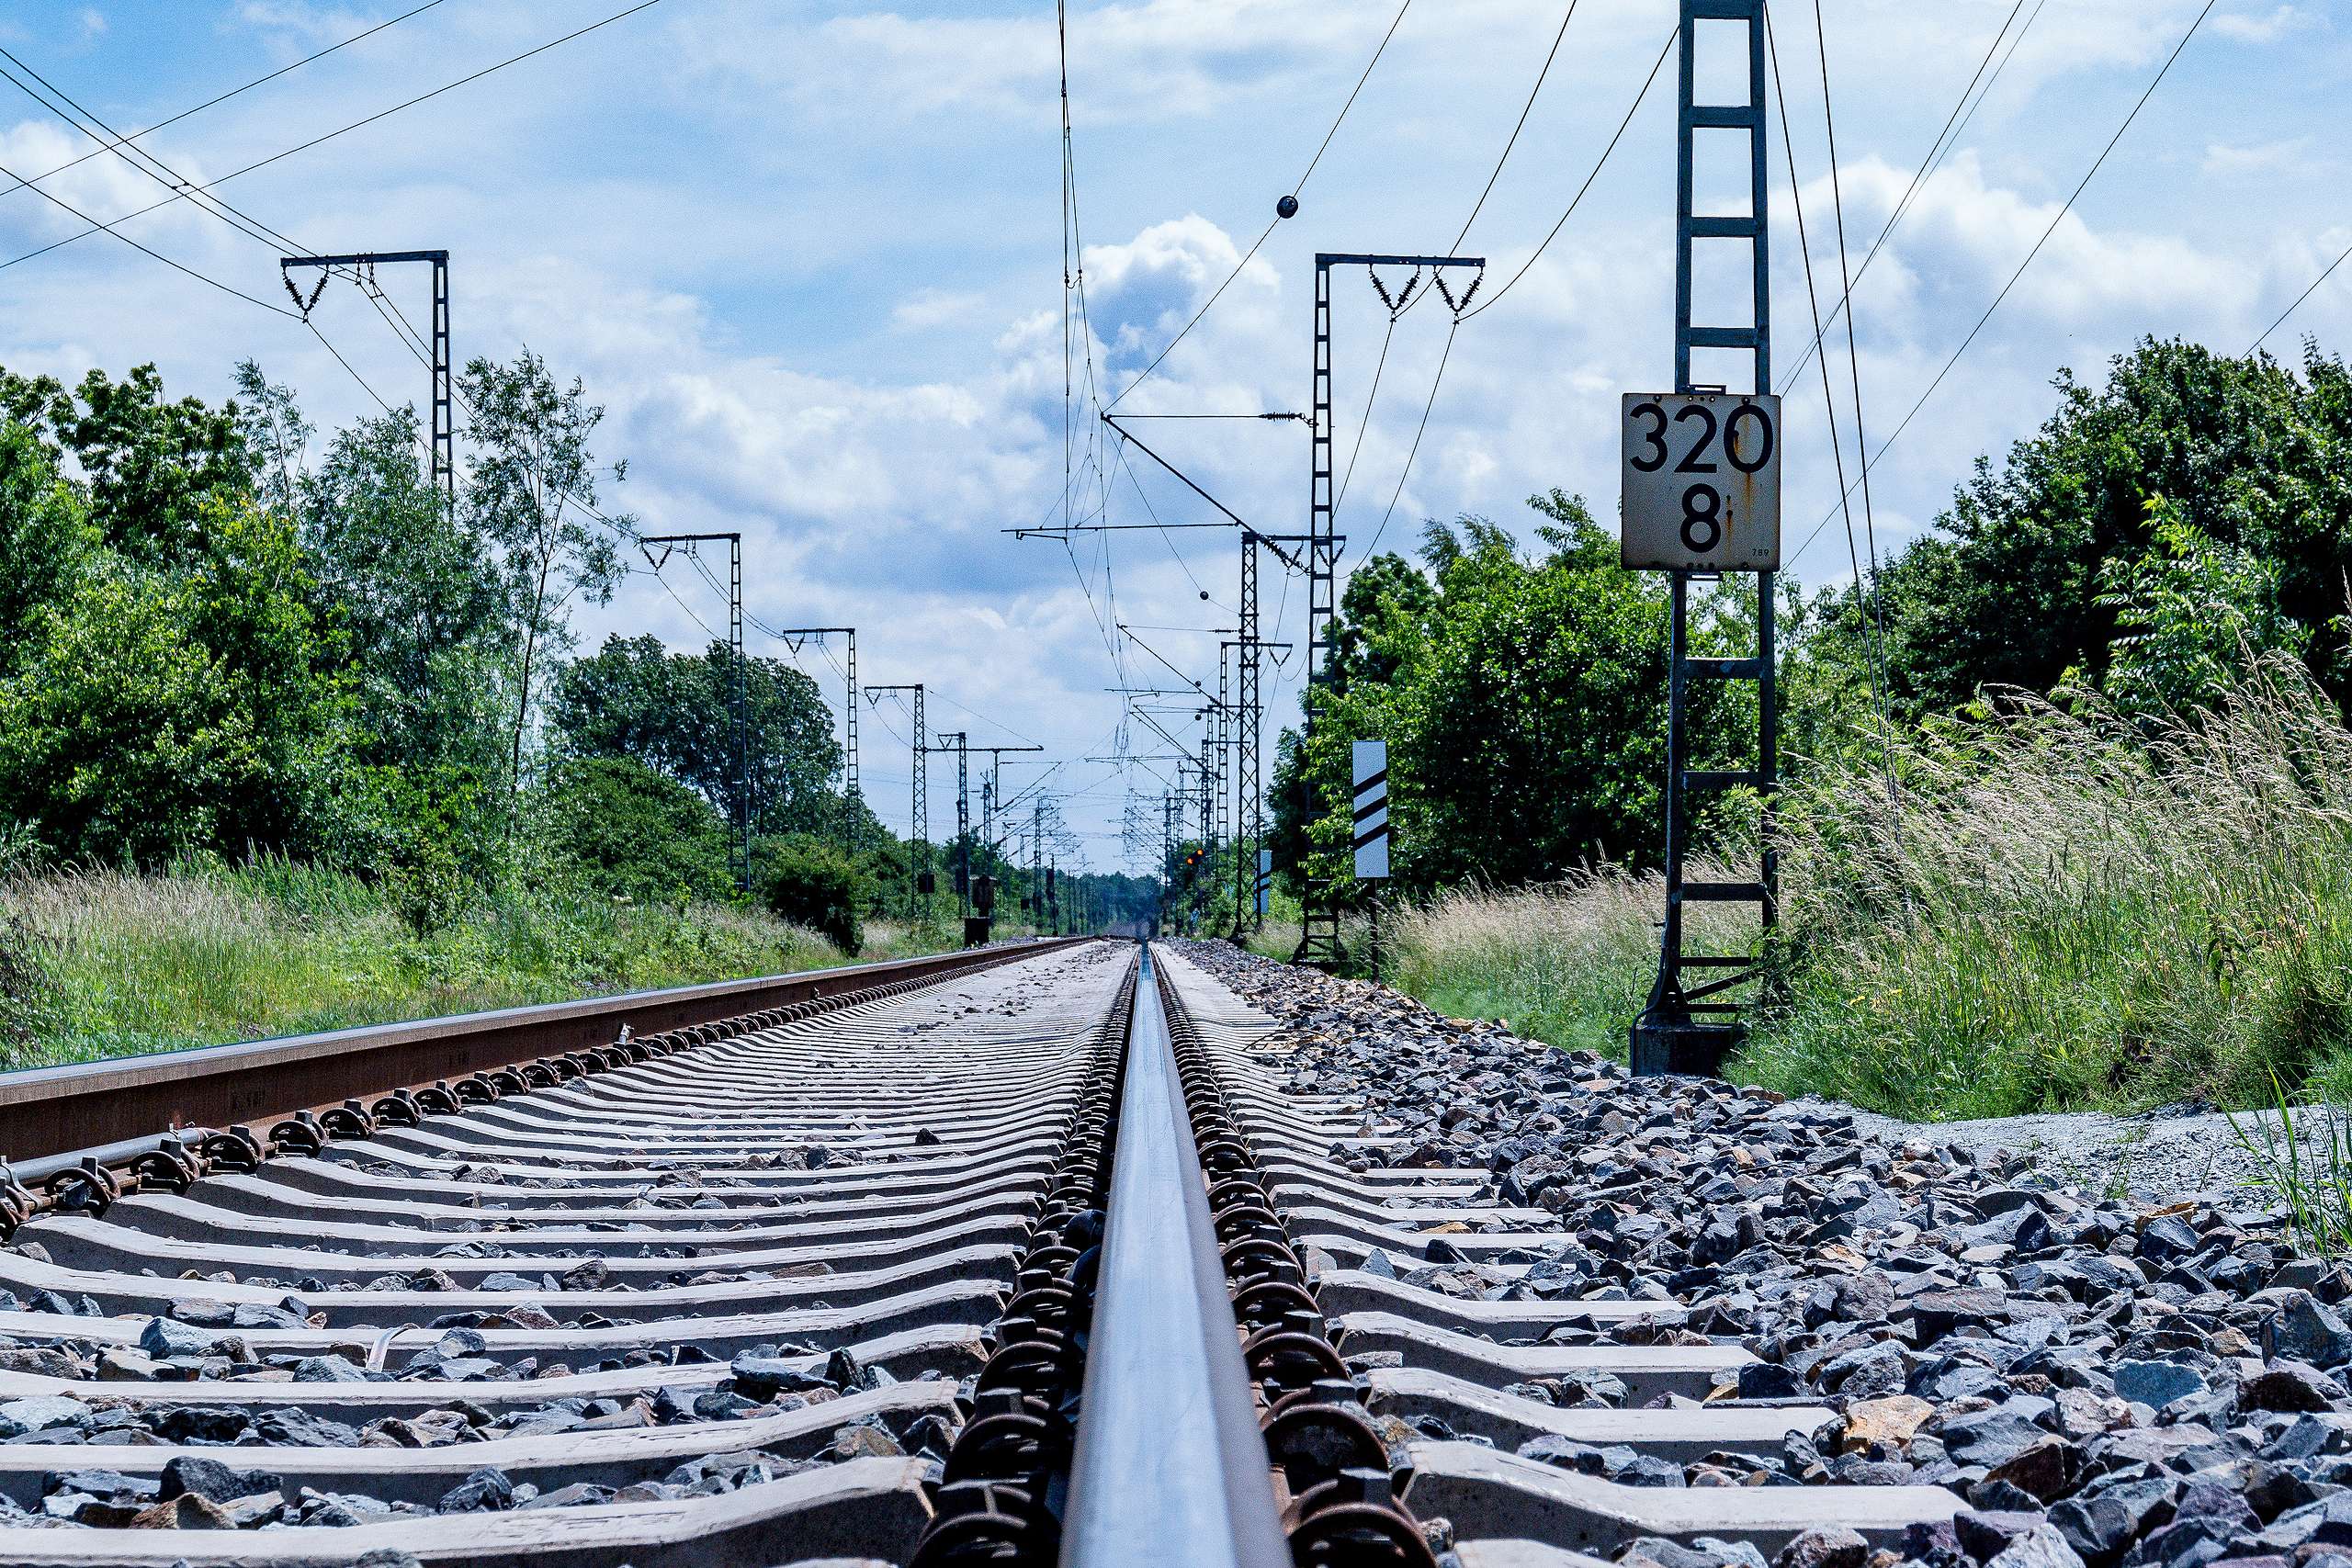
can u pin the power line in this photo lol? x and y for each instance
(1166, 538)
(1946, 139)
(1524, 110)
(1974, 332)
(1435, 382)
(1371, 397)
(1325, 146)
(975, 713)
(252, 227)
(110, 226)
(24, 184)
(233, 92)
(1298, 186)
(1639, 98)
(2341, 257)
(1866, 591)
(1496, 174)
(667, 587)
(1853, 349)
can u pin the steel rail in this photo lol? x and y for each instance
(1171, 1468)
(92, 1108)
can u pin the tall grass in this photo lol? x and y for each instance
(111, 963)
(2072, 906)
(1568, 963)
(2063, 906)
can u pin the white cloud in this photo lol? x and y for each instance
(102, 188)
(2265, 29)
(926, 309)
(1964, 238)
(1149, 61)
(2226, 161)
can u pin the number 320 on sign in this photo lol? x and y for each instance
(1702, 482)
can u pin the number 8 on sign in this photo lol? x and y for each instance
(1702, 482)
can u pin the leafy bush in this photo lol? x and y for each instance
(152, 708)
(812, 884)
(630, 833)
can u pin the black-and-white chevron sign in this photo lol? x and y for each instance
(1371, 810)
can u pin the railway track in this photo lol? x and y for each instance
(1042, 1256)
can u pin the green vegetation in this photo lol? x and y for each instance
(2094, 853)
(102, 963)
(814, 885)
(2076, 906)
(2304, 1156)
(1569, 962)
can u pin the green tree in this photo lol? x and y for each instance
(154, 709)
(533, 483)
(44, 532)
(417, 593)
(150, 466)
(1522, 701)
(2017, 586)
(673, 712)
(2191, 616)
(630, 832)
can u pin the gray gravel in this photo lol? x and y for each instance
(2157, 1154)
(2106, 1379)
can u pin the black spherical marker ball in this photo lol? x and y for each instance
(1286, 208)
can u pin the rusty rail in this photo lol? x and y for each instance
(87, 1108)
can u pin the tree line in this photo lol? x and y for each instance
(224, 634)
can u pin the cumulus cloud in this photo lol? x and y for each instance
(929, 308)
(2227, 161)
(2266, 28)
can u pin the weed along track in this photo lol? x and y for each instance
(1087, 1254)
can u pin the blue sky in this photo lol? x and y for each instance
(808, 255)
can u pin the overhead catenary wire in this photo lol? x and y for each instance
(1526, 109)
(51, 97)
(1853, 348)
(1577, 201)
(2065, 209)
(110, 225)
(233, 92)
(2342, 256)
(111, 140)
(1297, 186)
(1963, 111)
(176, 265)
(1866, 591)
(1380, 368)
(1435, 382)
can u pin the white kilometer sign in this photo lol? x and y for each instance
(1702, 482)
